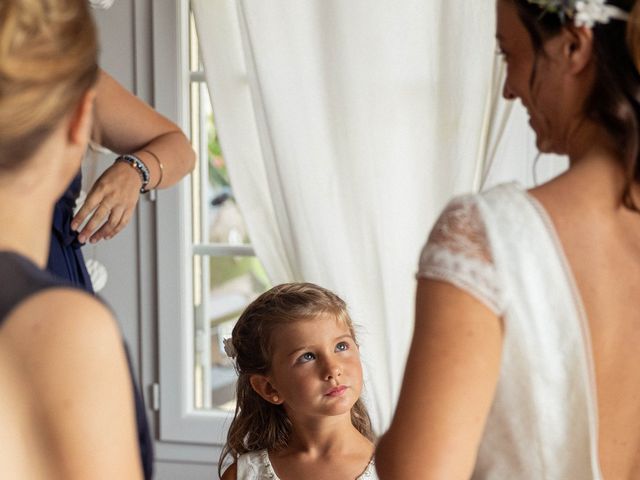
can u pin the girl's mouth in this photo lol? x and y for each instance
(336, 391)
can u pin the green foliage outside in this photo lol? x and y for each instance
(218, 175)
(225, 269)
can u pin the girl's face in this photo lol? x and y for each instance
(544, 99)
(316, 369)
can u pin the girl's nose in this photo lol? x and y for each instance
(333, 371)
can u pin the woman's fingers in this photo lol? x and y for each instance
(94, 198)
(99, 216)
(111, 227)
(109, 205)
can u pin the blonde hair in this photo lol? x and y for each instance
(258, 424)
(48, 60)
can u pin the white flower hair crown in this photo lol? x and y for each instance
(101, 4)
(229, 349)
(584, 13)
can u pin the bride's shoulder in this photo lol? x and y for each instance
(466, 211)
(495, 195)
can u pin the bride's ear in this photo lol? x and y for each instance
(82, 119)
(263, 387)
(577, 48)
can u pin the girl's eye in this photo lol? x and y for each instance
(306, 357)
(342, 346)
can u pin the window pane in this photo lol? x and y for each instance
(226, 224)
(230, 284)
(223, 283)
(194, 50)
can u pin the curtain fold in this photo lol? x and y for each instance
(346, 127)
(497, 114)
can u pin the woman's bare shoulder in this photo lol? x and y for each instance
(62, 328)
(73, 354)
(61, 312)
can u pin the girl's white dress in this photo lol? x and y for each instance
(257, 466)
(501, 247)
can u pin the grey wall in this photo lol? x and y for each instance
(127, 54)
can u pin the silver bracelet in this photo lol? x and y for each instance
(140, 167)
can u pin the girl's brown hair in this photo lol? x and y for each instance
(615, 99)
(48, 60)
(258, 424)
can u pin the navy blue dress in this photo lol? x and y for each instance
(66, 262)
(65, 254)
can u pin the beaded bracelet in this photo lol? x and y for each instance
(139, 166)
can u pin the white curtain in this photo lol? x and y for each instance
(346, 126)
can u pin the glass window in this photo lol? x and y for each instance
(227, 275)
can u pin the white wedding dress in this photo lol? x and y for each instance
(257, 466)
(500, 246)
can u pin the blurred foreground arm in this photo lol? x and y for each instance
(448, 387)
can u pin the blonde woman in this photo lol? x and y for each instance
(66, 341)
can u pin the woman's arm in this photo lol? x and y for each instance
(125, 124)
(73, 357)
(448, 387)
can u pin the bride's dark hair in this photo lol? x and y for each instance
(615, 99)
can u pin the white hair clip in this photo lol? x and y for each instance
(584, 13)
(101, 4)
(229, 349)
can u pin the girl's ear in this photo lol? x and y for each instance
(263, 387)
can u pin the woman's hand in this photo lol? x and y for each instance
(110, 204)
(125, 124)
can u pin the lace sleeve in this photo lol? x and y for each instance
(457, 252)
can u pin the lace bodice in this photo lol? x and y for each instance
(458, 252)
(257, 466)
(500, 246)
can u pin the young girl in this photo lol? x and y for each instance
(298, 413)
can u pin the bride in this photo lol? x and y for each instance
(524, 361)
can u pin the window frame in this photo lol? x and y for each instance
(179, 420)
